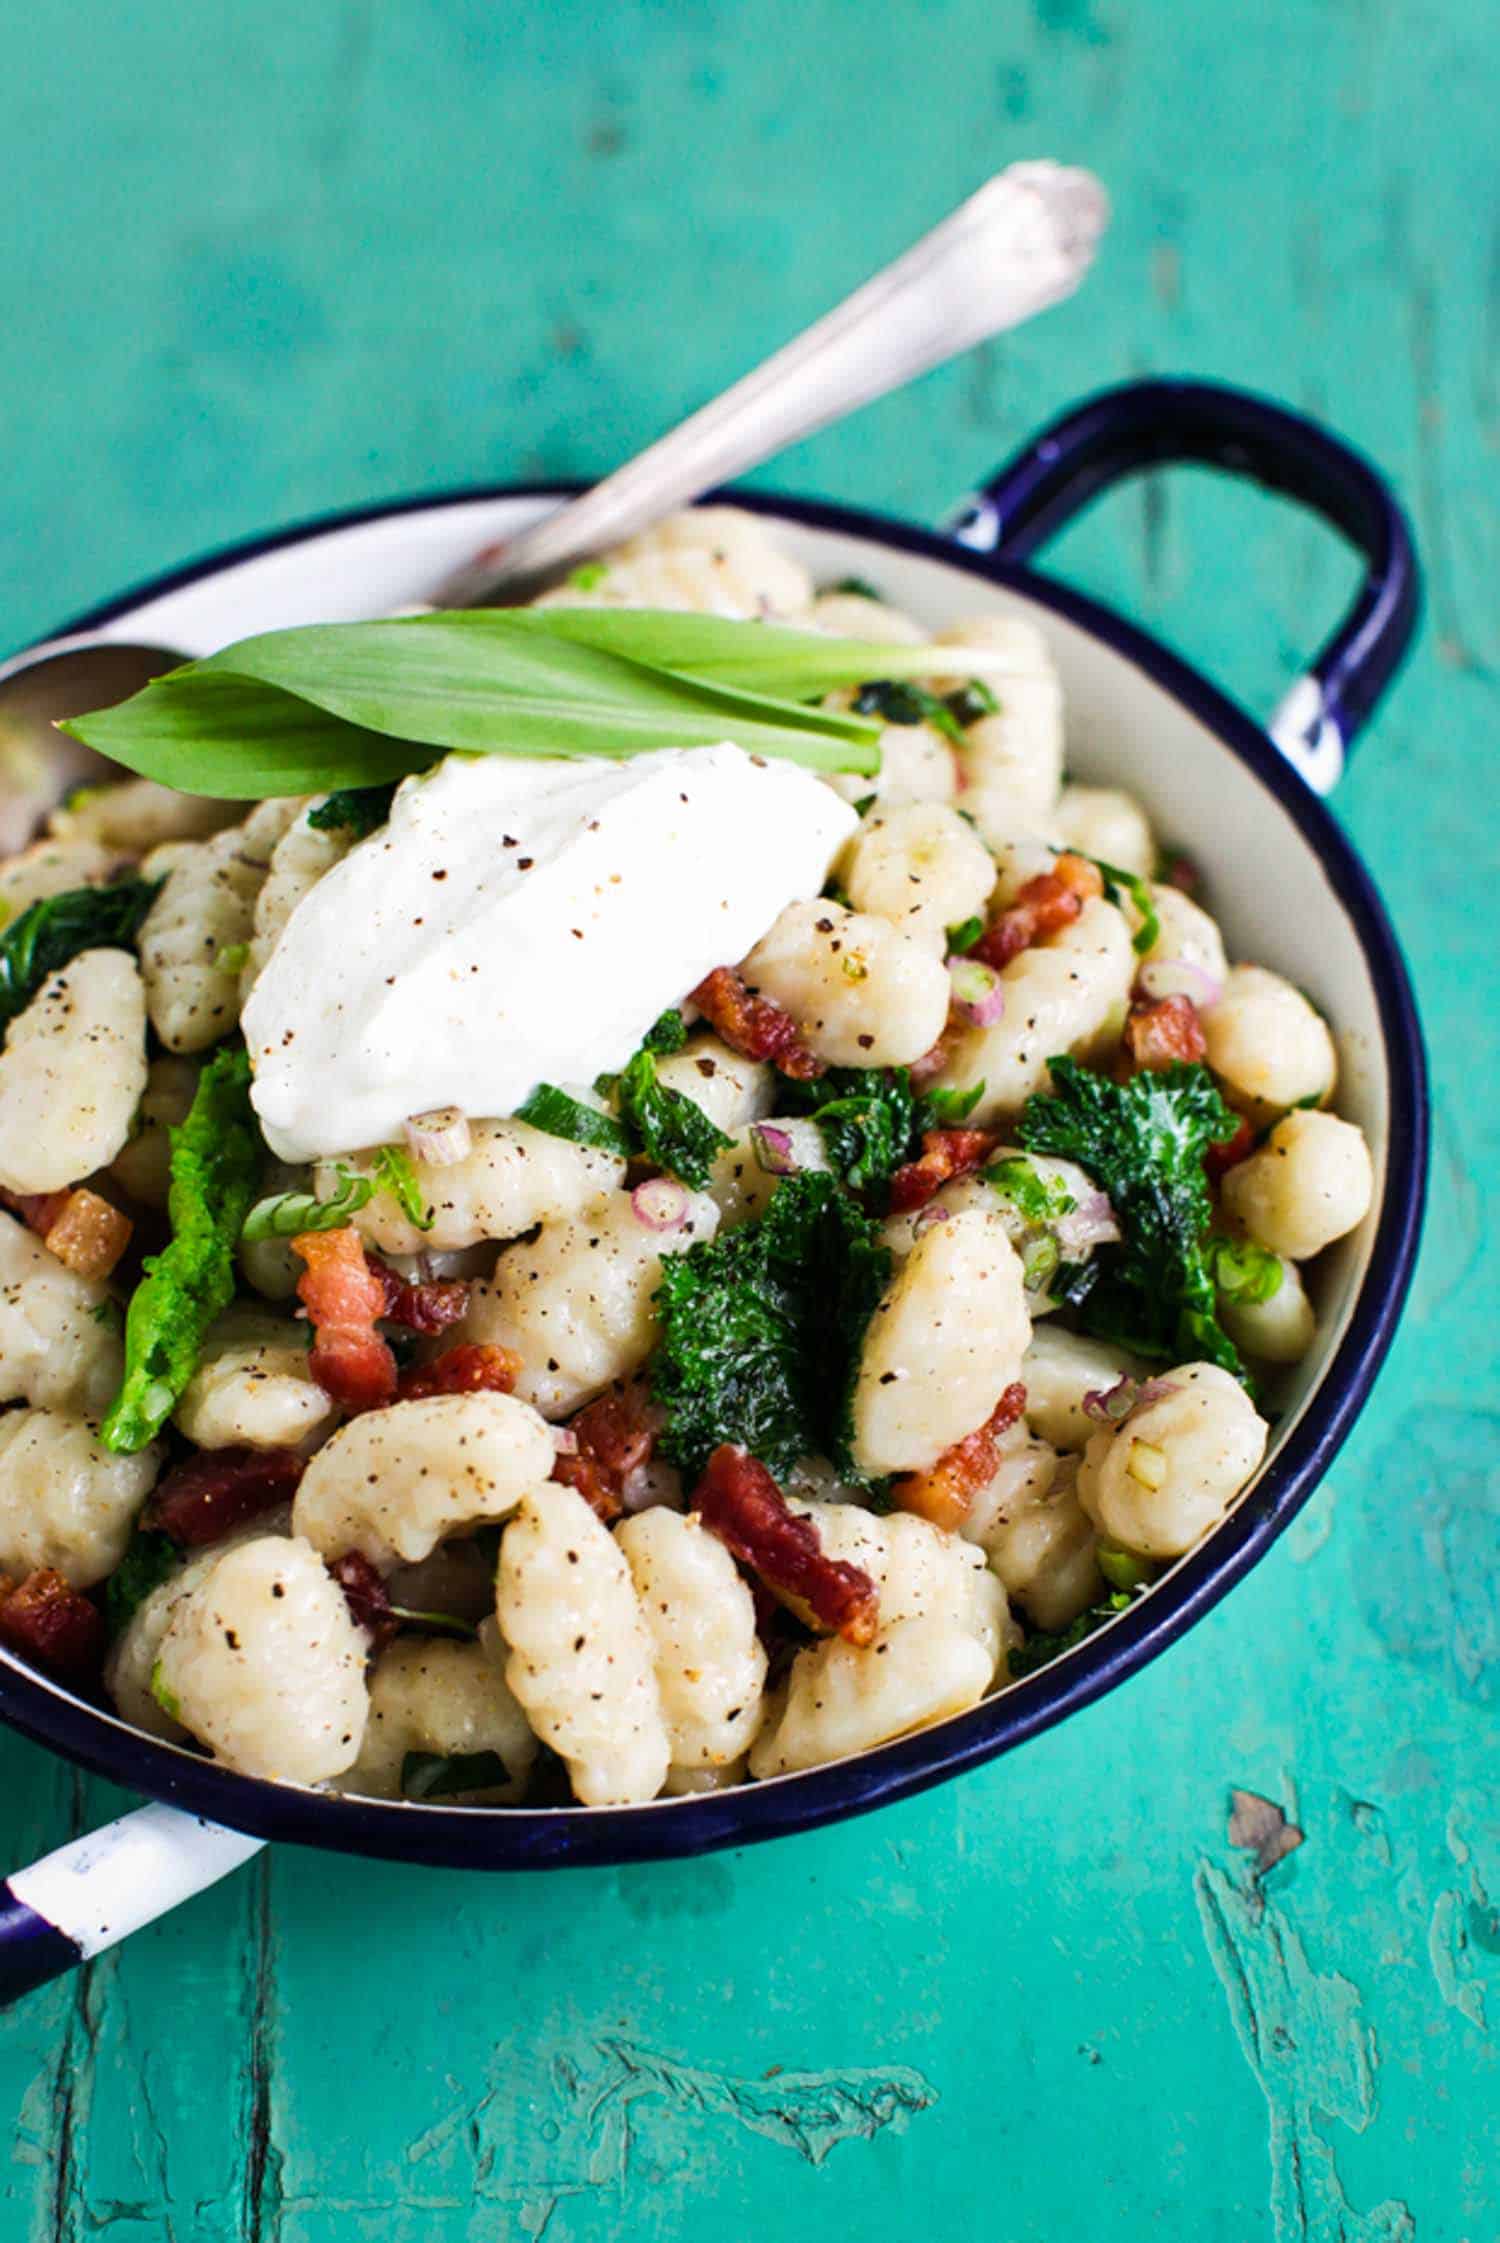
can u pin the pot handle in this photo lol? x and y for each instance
(75, 1903)
(1147, 424)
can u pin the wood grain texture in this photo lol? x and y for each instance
(268, 260)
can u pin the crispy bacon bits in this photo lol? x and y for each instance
(343, 1296)
(1160, 1031)
(53, 1626)
(944, 1492)
(1229, 1152)
(428, 1306)
(738, 1500)
(471, 1367)
(755, 1027)
(85, 1232)
(1047, 904)
(612, 1438)
(946, 1153)
(366, 1595)
(220, 1489)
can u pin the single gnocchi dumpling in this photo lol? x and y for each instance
(730, 1089)
(138, 815)
(60, 1344)
(916, 765)
(700, 1615)
(1108, 824)
(1012, 759)
(51, 868)
(582, 1661)
(65, 1500)
(133, 1654)
(72, 1073)
(193, 936)
(1279, 1329)
(1310, 1183)
(842, 1699)
(576, 1303)
(862, 993)
(921, 1571)
(1036, 1534)
(760, 1157)
(429, 1695)
(1067, 995)
(262, 1662)
(944, 1342)
(395, 1482)
(511, 1177)
(855, 615)
(1186, 938)
(253, 1387)
(1060, 1369)
(1157, 1482)
(712, 560)
(1267, 1045)
(922, 867)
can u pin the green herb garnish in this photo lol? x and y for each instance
(1244, 1272)
(289, 1214)
(1039, 1199)
(435, 1623)
(667, 1034)
(439, 1775)
(354, 706)
(760, 1331)
(945, 1109)
(1143, 1143)
(587, 576)
(560, 1115)
(1121, 1568)
(858, 587)
(51, 932)
(971, 702)
(962, 938)
(1139, 891)
(396, 1173)
(215, 1163)
(165, 1698)
(356, 810)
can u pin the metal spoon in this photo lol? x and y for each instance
(1022, 243)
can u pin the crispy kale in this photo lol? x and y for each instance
(655, 1121)
(355, 810)
(215, 1166)
(1143, 1143)
(1039, 1650)
(871, 1120)
(760, 1331)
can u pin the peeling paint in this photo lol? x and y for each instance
(584, 2143)
(1305, 2039)
(1463, 1932)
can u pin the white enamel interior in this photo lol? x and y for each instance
(1265, 884)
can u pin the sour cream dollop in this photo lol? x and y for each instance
(521, 921)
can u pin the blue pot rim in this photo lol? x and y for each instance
(531, 1838)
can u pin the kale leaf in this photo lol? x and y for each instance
(215, 1166)
(52, 931)
(871, 1120)
(760, 1331)
(1143, 1143)
(673, 1132)
(149, 1560)
(355, 810)
(1041, 1650)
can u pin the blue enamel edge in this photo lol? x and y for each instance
(32, 1951)
(525, 1838)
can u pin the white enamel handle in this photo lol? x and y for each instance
(75, 1903)
(1022, 243)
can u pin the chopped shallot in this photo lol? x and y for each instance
(439, 1138)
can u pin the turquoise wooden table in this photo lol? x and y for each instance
(267, 260)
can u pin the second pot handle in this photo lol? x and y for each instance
(1120, 432)
(95, 1891)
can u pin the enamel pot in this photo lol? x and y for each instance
(1243, 798)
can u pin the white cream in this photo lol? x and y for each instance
(521, 921)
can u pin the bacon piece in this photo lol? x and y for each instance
(471, 1367)
(37, 1210)
(612, 1437)
(738, 1500)
(931, 1064)
(1180, 871)
(367, 1597)
(220, 1489)
(755, 1027)
(1160, 1031)
(429, 1305)
(944, 1492)
(946, 1153)
(1229, 1152)
(343, 1296)
(1047, 904)
(53, 1625)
